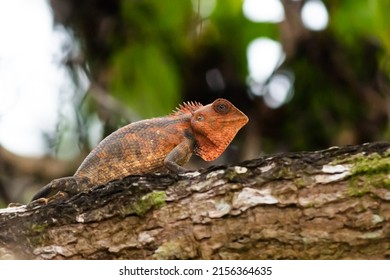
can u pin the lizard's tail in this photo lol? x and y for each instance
(69, 185)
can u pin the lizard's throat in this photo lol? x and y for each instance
(210, 148)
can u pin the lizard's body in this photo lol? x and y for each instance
(156, 145)
(122, 153)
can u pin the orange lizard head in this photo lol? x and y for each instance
(215, 126)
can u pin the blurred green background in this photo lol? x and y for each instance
(309, 74)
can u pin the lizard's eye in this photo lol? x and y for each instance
(222, 107)
(199, 118)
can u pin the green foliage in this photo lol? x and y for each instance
(354, 20)
(144, 71)
(145, 78)
(235, 32)
(324, 118)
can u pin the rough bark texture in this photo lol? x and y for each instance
(331, 204)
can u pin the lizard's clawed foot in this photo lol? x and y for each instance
(59, 196)
(37, 202)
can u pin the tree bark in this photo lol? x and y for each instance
(331, 204)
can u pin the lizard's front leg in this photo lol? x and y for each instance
(179, 156)
(63, 187)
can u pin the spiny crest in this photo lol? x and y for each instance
(187, 108)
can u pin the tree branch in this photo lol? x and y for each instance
(331, 204)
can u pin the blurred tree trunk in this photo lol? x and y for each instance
(21, 175)
(331, 204)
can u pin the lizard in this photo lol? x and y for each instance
(161, 144)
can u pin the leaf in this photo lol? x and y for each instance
(146, 79)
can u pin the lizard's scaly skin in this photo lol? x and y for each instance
(158, 144)
(133, 149)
